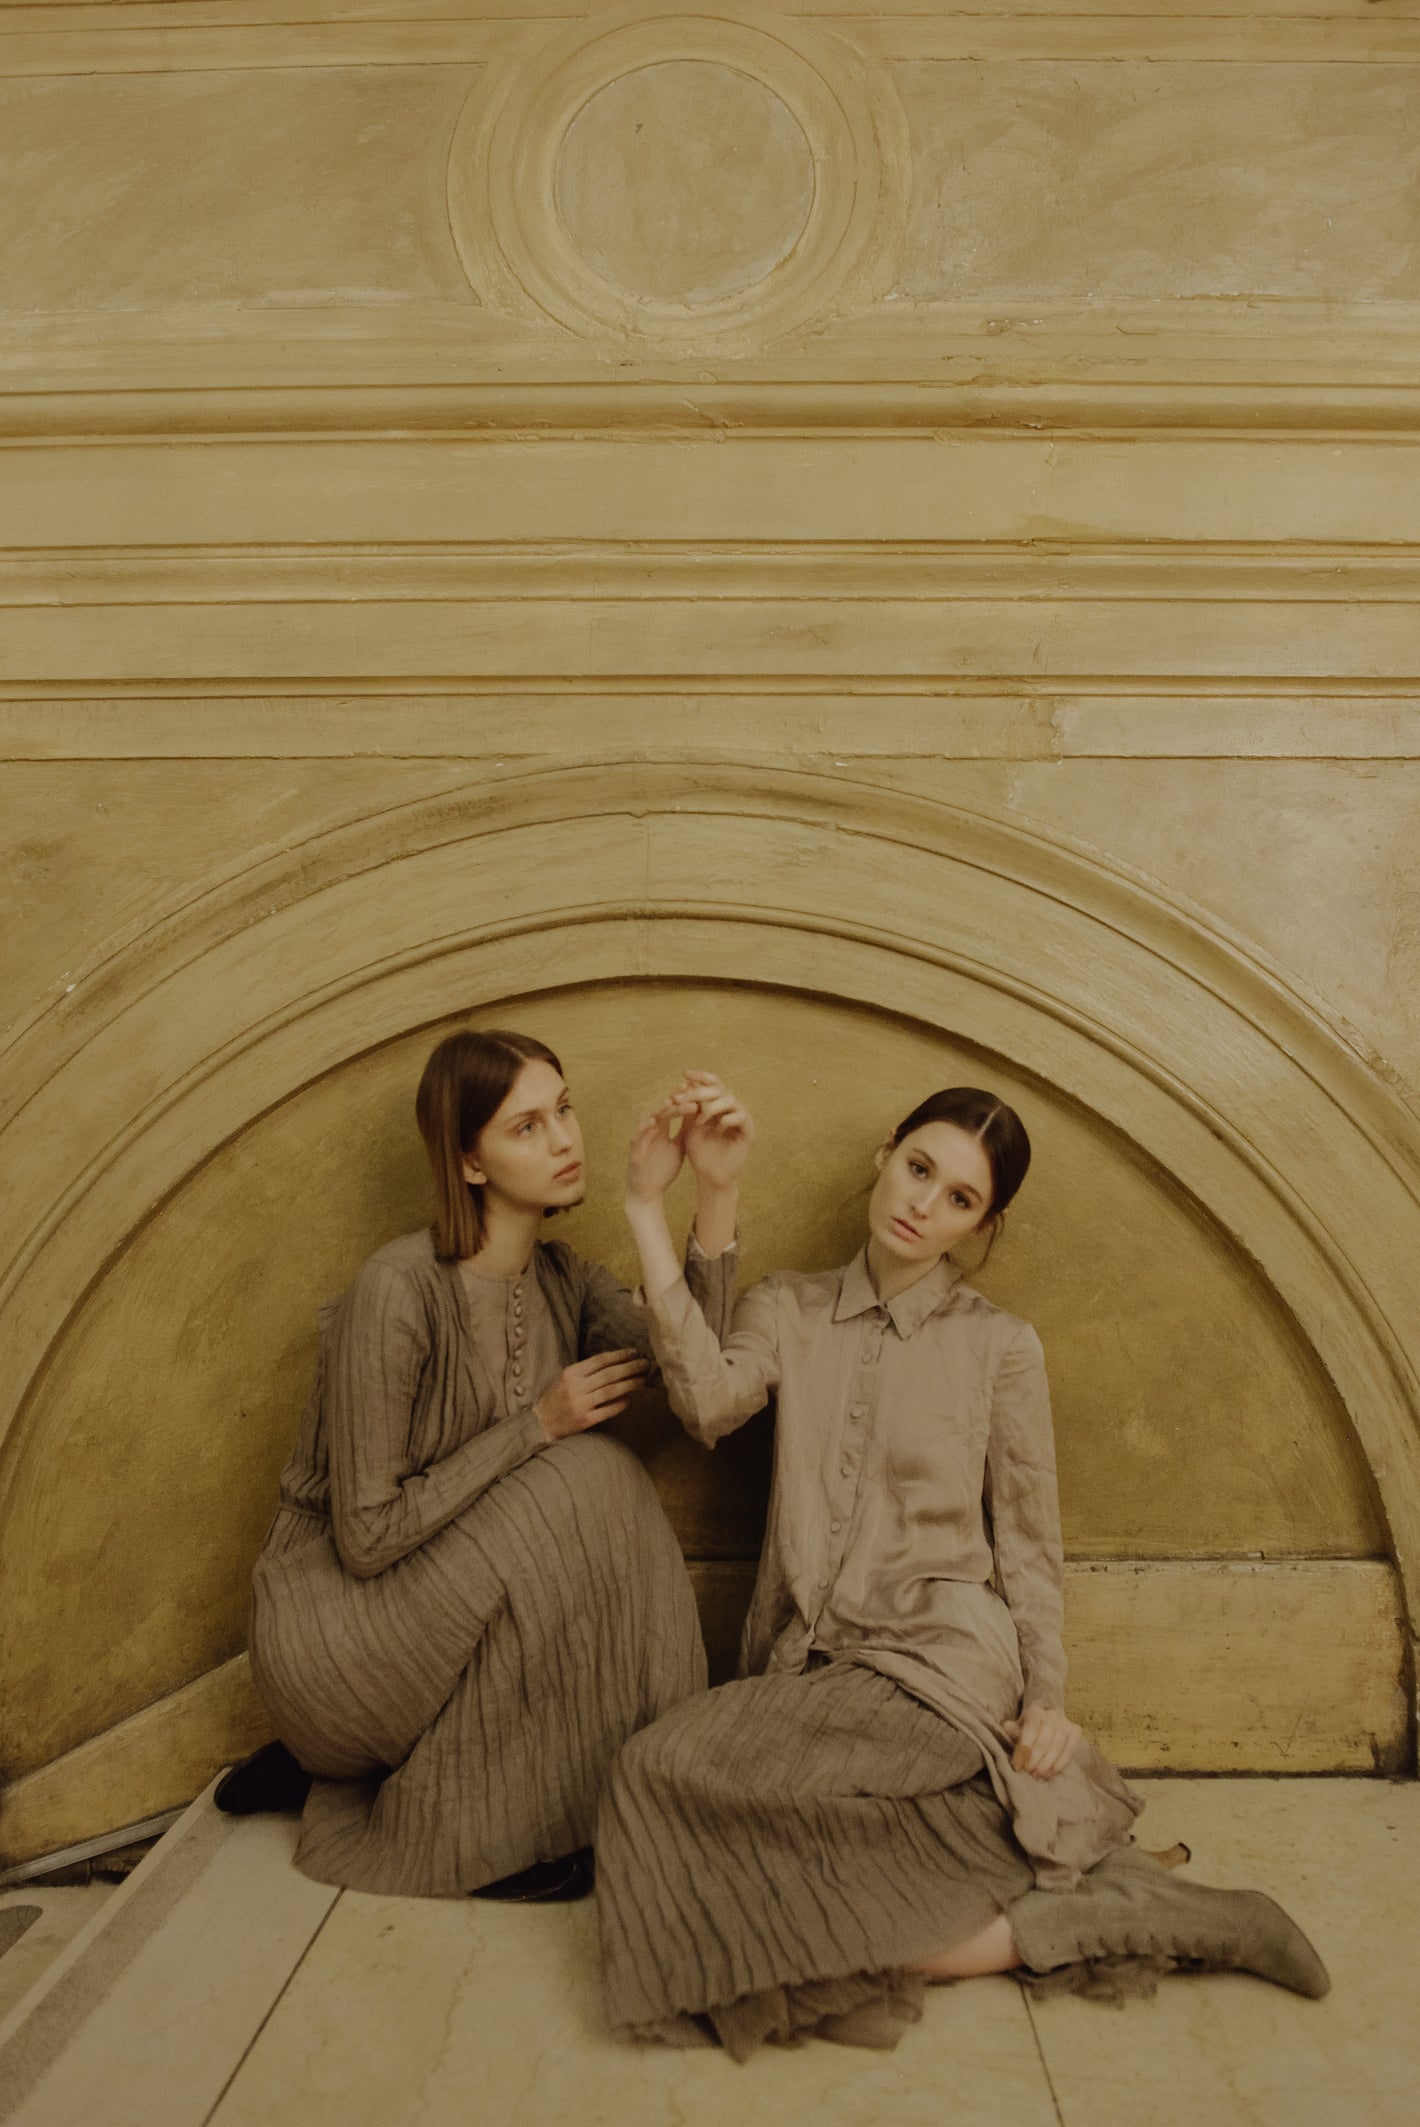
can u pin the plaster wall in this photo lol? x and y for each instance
(866, 548)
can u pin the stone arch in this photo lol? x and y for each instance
(1135, 1007)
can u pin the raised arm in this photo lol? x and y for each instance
(714, 1384)
(715, 1380)
(381, 1508)
(612, 1317)
(715, 1133)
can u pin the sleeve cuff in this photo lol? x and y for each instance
(1043, 1689)
(527, 1434)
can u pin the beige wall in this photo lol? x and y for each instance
(868, 549)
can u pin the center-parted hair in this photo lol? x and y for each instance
(465, 1083)
(999, 1130)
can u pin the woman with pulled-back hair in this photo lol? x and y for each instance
(893, 1793)
(468, 1600)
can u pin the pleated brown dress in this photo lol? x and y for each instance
(456, 1624)
(772, 1856)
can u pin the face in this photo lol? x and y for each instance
(529, 1152)
(932, 1190)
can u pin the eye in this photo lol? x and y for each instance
(564, 1107)
(962, 1203)
(917, 1168)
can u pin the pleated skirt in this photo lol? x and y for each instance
(774, 1855)
(463, 1708)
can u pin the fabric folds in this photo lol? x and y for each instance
(773, 1855)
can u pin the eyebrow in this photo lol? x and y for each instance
(527, 1114)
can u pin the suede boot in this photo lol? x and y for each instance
(1131, 1907)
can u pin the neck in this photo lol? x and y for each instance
(509, 1236)
(890, 1275)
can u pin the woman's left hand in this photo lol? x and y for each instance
(717, 1131)
(1045, 1739)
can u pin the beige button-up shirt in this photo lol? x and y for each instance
(914, 1523)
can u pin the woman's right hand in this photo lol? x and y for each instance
(590, 1392)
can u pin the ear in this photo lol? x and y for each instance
(883, 1154)
(474, 1176)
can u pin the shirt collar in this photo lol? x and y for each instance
(910, 1309)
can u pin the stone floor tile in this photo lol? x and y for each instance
(145, 2027)
(1343, 1856)
(62, 1913)
(221, 1987)
(410, 2012)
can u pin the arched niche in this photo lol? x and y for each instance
(1170, 1049)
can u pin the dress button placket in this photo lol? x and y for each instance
(519, 1396)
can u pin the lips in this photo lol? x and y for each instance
(911, 1232)
(568, 1174)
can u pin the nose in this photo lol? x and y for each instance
(563, 1137)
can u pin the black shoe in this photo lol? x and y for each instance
(269, 1779)
(545, 1883)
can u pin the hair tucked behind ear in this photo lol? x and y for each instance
(997, 1128)
(465, 1083)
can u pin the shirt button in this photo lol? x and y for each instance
(847, 1470)
(858, 1411)
(835, 1526)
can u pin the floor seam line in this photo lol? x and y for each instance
(248, 2048)
(1040, 2054)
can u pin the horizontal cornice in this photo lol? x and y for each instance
(742, 569)
(1317, 370)
(192, 35)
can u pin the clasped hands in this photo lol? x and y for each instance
(701, 1121)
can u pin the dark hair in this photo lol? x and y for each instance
(1001, 1133)
(465, 1083)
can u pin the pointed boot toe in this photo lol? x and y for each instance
(1270, 1943)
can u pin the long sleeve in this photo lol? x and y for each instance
(1023, 1503)
(614, 1319)
(382, 1508)
(715, 1385)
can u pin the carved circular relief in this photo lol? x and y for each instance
(684, 181)
(706, 180)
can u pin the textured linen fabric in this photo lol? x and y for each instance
(914, 1525)
(771, 1855)
(456, 1624)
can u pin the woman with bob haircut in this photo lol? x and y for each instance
(893, 1792)
(467, 1600)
